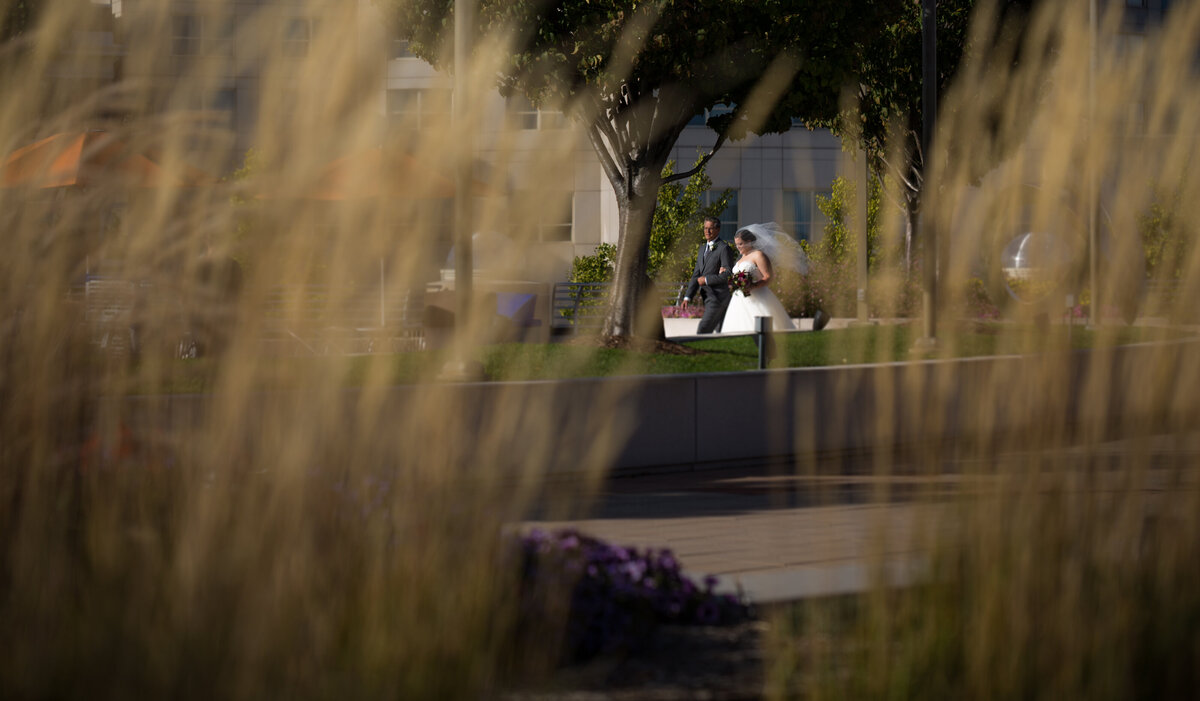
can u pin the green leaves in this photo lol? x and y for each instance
(716, 49)
(838, 245)
(1167, 239)
(672, 59)
(676, 231)
(597, 267)
(674, 235)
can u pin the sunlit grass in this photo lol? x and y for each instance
(1059, 578)
(559, 361)
(343, 540)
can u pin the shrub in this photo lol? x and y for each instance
(833, 288)
(617, 595)
(1166, 238)
(837, 243)
(978, 304)
(597, 267)
(675, 233)
(831, 284)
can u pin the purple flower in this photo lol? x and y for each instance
(618, 594)
(692, 312)
(708, 614)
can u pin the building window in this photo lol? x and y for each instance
(806, 221)
(522, 112)
(400, 49)
(225, 102)
(192, 35)
(1130, 45)
(559, 218)
(526, 116)
(1135, 119)
(217, 36)
(700, 119)
(554, 213)
(423, 108)
(729, 217)
(185, 35)
(298, 36)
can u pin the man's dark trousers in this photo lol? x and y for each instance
(716, 288)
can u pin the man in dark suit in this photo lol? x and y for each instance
(711, 277)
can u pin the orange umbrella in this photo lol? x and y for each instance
(378, 173)
(83, 158)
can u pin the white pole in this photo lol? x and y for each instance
(862, 187)
(1093, 253)
(927, 228)
(464, 18)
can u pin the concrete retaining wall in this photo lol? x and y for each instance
(684, 421)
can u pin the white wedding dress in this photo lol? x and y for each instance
(739, 316)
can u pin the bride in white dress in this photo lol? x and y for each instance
(759, 244)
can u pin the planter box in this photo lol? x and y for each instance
(680, 327)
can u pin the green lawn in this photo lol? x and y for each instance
(874, 343)
(518, 361)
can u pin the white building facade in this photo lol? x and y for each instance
(772, 178)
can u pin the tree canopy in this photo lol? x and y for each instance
(18, 17)
(634, 73)
(675, 234)
(886, 110)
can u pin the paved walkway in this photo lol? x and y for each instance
(778, 537)
(771, 536)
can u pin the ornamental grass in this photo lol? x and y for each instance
(239, 541)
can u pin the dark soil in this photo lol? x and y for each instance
(681, 663)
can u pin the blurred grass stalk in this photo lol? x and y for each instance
(1055, 571)
(331, 543)
(293, 544)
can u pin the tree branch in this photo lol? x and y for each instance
(900, 174)
(605, 123)
(607, 160)
(629, 114)
(700, 165)
(916, 141)
(605, 139)
(887, 192)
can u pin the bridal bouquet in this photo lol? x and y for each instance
(741, 282)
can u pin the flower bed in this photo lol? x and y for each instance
(617, 595)
(693, 311)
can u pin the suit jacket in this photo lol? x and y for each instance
(708, 265)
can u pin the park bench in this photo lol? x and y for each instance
(580, 306)
(1163, 298)
(108, 312)
(313, 319)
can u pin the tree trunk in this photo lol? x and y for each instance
(630, 283)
